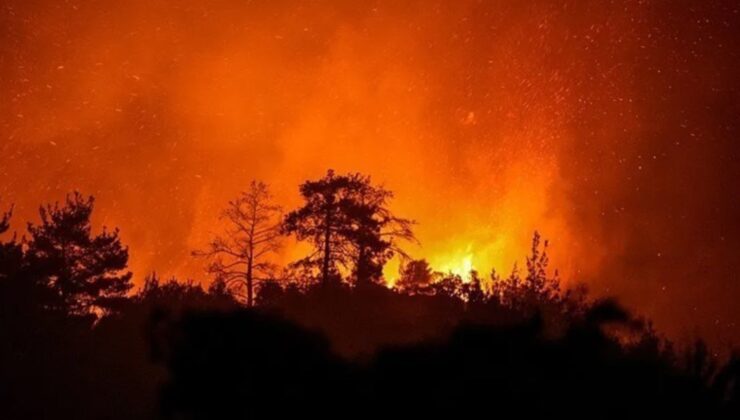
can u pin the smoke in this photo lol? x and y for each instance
(609, 127)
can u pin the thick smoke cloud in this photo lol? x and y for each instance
(609, 126)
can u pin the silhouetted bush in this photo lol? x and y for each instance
(230, 366)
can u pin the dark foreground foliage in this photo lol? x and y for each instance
(177, 351)
(241, 364)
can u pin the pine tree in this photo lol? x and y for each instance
(86, 272)
(347, 221)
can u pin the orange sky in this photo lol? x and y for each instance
(609, 127)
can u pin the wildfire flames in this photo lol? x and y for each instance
(487, 120)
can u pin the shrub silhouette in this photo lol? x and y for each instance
(241, 364)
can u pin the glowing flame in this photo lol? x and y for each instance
(461, 268)
(460, 263)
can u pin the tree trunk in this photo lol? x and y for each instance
(327, 249)
(361, 269)
(250, 257)
(250, 285)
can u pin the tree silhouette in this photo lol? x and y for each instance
(22, 291)
(449, 284)
(238, 257)
(324, 222)
(11, 252)
(536, 289)
(376, 231)
(472, 290)
(537, 279)
(180, 296)
(346, 219)
(415, 277)
(85, 271)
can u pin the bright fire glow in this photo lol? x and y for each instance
(487, 119)
(459, 265)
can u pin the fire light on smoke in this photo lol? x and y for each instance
(487, 119)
